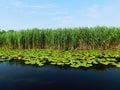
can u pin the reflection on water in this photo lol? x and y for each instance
(17, 76)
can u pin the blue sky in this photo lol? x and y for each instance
(23, 14)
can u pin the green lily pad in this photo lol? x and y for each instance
(27, 62)
(106, 63)
(40, 64)
(60, 63)
(118, 65)
(53, 63)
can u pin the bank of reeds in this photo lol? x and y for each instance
(67, 38)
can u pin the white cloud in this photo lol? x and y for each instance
(94, 11)
(1, 3)
(43, 6)
(1, 0)
(24, 5)
(50, 13)
(63, 19)
(104, 10)
(17, 3)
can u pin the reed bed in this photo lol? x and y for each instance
(64, 39)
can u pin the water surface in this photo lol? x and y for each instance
(16, 76)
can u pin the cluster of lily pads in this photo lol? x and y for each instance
(70, 58)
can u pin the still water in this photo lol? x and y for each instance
(16, 76)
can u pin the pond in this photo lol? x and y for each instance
(17, 76)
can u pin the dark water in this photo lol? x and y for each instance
(14, 76)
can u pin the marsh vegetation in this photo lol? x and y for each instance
(70, 58)
(64, 39)
(72, 47)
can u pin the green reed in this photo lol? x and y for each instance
(66, 38)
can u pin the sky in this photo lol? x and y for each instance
(26, 14)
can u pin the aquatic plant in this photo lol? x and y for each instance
(64, 39)
(70, 58)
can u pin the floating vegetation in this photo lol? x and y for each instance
(70, 58)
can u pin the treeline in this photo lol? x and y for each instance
(65, 39)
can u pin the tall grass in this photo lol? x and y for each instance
(67, 38)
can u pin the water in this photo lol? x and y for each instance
(15, 76)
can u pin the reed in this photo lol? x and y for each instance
(67, 38)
